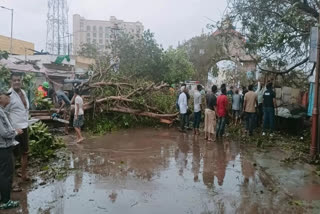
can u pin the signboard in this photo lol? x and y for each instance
(313, 44)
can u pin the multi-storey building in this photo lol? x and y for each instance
(101, 33)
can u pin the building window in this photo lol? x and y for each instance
(100, 29)
(106, 29)
(94, 34)
(88, 34)
(94, 41)
(88, 28)
(94, 28)
(100, 41)
(100, 35)
(88, 40)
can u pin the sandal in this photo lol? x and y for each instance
(9, 205)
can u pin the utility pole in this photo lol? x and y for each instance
(315, 112)
(11, 46)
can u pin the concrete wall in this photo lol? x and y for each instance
(18, 46)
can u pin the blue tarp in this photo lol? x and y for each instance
(311, 98)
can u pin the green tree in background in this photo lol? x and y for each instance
(178, 67)
(277, 30)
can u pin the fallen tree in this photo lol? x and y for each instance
(110, 92)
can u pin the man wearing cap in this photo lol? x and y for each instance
(19, 115)
(43, 90)
(7, 135)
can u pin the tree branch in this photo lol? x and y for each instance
(287, 71)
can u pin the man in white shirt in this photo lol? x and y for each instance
(183, 107)
(260, 91)
(197, 110)
(78, 115)
(19, 115)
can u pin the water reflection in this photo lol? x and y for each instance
(135, 171)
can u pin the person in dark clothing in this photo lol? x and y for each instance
(230, 91)
(210, 114)
(269, 106)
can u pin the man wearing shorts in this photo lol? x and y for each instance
(210, 114)
(19, 115)
(78, 115)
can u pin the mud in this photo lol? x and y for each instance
(160, 171)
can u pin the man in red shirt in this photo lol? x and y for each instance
(222, 108)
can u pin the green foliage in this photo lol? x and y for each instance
(42, 143)
(4, 54)
(88, 50)
(5, 77)
(179, 68)
(276, 30)
(43, 103)
(165, 101)
(204, 52)
(144, 58)
(140, 57)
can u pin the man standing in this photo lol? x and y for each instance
(210, 114)
(260, 91)
(19, 114)
(249, 107)
(269, 105)
(183, 107)
(236, 98)
(78, 115)
(222, 110)
(197, 110)
(7, 135)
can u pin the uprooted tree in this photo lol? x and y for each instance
(140, 86)
(113, 93)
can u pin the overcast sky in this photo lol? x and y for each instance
(171, 20)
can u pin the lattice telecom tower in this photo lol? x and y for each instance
(57, 27)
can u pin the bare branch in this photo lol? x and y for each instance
(286, 71)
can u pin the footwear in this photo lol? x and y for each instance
(9, 205)
(263, 134)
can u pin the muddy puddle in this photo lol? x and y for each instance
(157, 171)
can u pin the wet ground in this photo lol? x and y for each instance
(162, 171)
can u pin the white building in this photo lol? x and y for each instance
(100, 32)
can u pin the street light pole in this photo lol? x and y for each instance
(11, 31)
(11, 26)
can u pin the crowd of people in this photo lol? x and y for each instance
(220, 107)
(14, 138)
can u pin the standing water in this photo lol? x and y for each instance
(156, 171)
